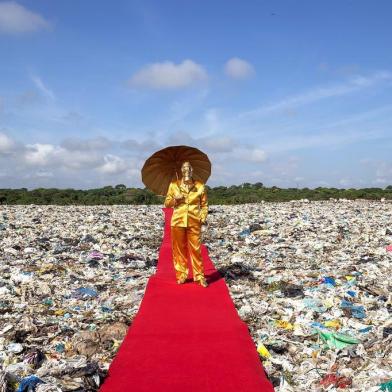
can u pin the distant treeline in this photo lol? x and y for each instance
(234, 194)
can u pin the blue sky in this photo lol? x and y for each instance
(288, 93)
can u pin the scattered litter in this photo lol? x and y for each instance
(336, 381)
(336, 340)
(28, 384)
(308, 278)
(386, 386)
(71, 281)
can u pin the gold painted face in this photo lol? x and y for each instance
(186, 170)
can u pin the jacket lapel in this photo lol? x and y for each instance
(182, 188)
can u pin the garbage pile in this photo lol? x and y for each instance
(71, 281)
(312, 281)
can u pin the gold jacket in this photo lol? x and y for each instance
(193, 209)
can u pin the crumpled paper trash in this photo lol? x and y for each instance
(76, 274)
(309, 279)
(71, 281)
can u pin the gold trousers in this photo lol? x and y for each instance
(183, 239)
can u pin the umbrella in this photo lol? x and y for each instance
(164, 166)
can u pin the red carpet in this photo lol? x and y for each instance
(186, 337)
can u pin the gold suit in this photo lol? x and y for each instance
(185, 226)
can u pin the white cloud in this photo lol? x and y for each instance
(16, 19)
(78, 144)
(256, 174)
(231, 149)
(286, 167)
(239, 69)
(168, 75)
(44, 89)
(353, 84)
(40, 154)
(113, 165)
(240, 153)
(6, 144)
(133, 145)
(210, 144)
(71, 154)
(255, 155)
(79, 160)
(51, 165)
(323, 139)
(50, 156)
(218, 143)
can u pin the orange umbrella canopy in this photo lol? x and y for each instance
(164, 166)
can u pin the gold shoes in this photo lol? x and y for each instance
(181, 281)
(202, 282)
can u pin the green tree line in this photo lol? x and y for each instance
(234, 194)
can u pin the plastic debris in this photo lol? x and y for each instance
(335, 324)
(95, 255)
(262, 350)
(84, 292)
(292, 290)
(355, 311)
(28, 384)
(319, 267)
(386, 386)
(328, 280)
(72, 279)
(336, 381)
(386, 332)
(284, 324)
(336, 340)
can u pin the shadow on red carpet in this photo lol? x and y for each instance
(186, 337)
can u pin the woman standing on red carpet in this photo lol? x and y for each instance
(188, 197)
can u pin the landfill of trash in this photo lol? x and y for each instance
(310, 279)
(71, 280)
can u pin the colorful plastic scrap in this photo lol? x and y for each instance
(336, 381)
(95, 255)
(84, 292)
(284, 324)
(356, 311)
(328, 280)
(336, 340)
(333, 324)
(386, 386)
(314, 304)
(29, 384)
(262, 350)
